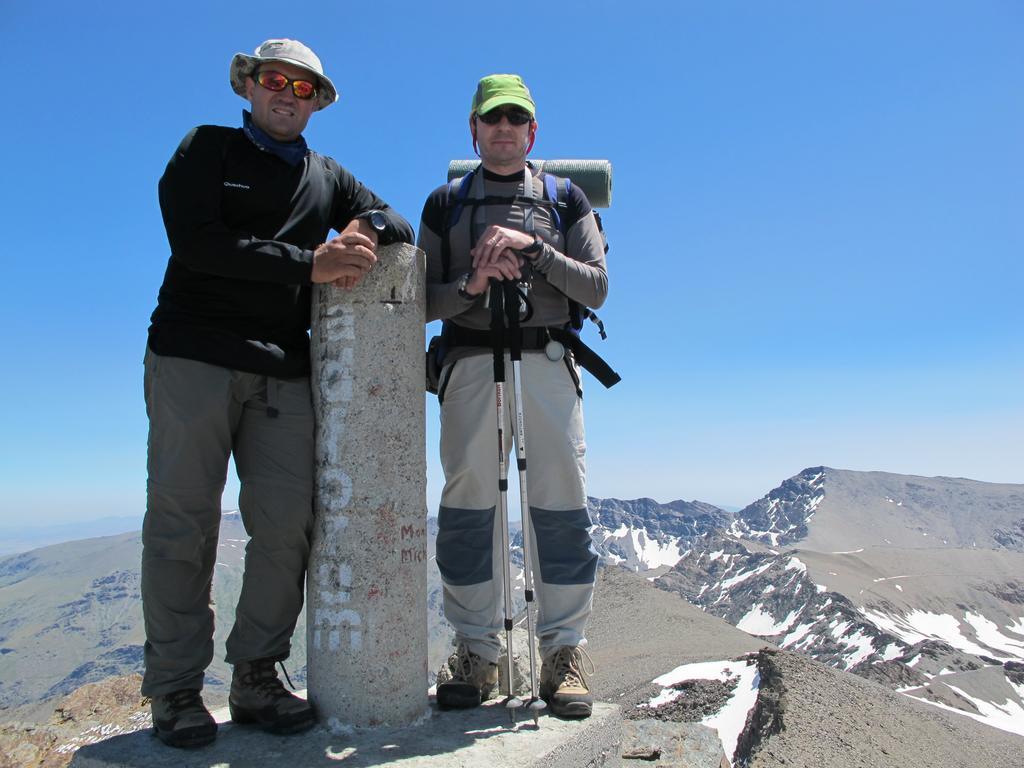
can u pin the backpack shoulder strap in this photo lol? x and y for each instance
(556, 193)
(455, 201)
(460, 187)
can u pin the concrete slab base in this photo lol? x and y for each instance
(453, 739)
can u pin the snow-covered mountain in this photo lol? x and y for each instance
(642, 535)
(915, 581)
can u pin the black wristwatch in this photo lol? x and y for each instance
(461, 284)
(533, 248)
(376, 219)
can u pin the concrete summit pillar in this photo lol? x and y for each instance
(366, 612)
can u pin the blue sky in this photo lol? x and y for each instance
(816, 229)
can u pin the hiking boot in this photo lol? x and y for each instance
(180, 719)
(257, 696)
(471, 680)
(563, 682)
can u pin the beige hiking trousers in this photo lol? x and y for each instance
(469, 536)
(199, 415)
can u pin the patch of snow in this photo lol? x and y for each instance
(759, 622)
(769, 589)
(796, 635)
(1017, 627)
(850, 552)
(861, 646)
(821, 588)
(716, 554)
(839, 629)
(136, 722)
(898, 587)
(794, 564)
(1018, 688)
(1006, 717)
(732, 582)
(731, 718)
(988, 634)
(922, 625)
(651, 553)
(893, 651)
(703, 670)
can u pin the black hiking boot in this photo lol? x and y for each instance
(258, 696)
(180, 719)
(470, 680)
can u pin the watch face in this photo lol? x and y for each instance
(377, 221)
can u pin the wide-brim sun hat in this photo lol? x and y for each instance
(495, 90)
(289, 52)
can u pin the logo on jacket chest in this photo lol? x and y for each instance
(236, 185)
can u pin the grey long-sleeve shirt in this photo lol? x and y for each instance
(573, 266)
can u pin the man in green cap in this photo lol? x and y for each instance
(247, 212)
(505, 233)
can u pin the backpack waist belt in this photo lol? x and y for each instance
(536, 339)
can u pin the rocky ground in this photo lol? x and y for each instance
(92, 713)
(813, 715)
(806, 714)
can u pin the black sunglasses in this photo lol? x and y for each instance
(513, 115)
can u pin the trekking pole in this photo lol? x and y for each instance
(512, 703)
(535, 704)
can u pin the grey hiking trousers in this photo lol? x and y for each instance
(199, 414)
(469, 537)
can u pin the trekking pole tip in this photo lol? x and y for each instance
(536, 706)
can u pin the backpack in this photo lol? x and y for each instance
(556, 192)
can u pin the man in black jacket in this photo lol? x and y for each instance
(247, 212)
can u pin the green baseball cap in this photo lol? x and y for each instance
(494, 90)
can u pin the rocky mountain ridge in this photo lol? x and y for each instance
(925, 592)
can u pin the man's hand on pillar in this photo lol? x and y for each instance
(345, 259)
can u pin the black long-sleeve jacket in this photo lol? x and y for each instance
(242, 225)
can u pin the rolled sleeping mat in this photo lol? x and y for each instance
(594, 177)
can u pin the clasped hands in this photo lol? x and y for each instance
(344, 260)
(496, 255)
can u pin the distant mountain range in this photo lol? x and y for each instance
(914, 582)
(22, 538)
